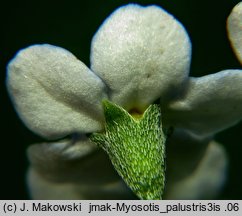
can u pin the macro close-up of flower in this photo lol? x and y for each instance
(139, 56)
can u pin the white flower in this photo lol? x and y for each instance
(138, 56)
(234, 25)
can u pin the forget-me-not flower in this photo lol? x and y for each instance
(138, 56)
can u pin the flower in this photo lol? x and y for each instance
(138, 56)
(234, 26)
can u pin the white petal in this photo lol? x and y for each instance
(141, 53)
(184, 153)
(54, 93)
(207, 179)
(72, 161)
(208, 105)
(234, 26)
(73, 169)
(42, 189)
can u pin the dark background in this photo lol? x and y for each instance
(71, 25)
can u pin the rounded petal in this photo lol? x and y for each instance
(234, 27)
(72, 169)
(141, 53)
(208, 105)
(54, 93)
(42, 189)
(72, 161)
(207, 180)
(184, 153)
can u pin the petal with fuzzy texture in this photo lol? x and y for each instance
(234, 26)
(206, 181)
(184, 152)
(72, 160)
(42, 189)
(208, 104)
(78, 170)
(141, 53)
(73, 169)
(54, 93)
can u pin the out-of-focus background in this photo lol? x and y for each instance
(71, 25)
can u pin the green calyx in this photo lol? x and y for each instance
(136, 148)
